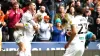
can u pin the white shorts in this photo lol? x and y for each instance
(18, 35)
(74, 50)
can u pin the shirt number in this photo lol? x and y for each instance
(83, 26)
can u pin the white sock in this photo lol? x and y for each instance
(17, 53)
(21, 53)
(28, 49)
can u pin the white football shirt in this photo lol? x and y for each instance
(81, 26)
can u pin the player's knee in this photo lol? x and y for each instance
(22, 49)
(21, 46)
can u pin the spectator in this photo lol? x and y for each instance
(71, 3)
(89, 37)
(2, 23)
(95, 15)
(98, 28)
(13, 16)
(44, 33)
(40, 3)
(98, 10)
(50, 4)
(62, 15)
(78, 4)
(1, 15)
(98, 3)
(42, 11)
(59, 3)
(11, 2)
(64, 18)
(94, 4)
(89, 3)
(4, 28)
(71, 13)
(6, 5)
(58, 33)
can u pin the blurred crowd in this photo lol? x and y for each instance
(54, 18)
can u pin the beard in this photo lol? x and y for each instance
(42, 11)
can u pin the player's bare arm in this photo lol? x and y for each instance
(73, 33)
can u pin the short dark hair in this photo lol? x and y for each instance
(79, 10)
(29, 3)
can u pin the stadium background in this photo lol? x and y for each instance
(48, 49)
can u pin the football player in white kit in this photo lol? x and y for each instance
(79, 27)
(24, 35)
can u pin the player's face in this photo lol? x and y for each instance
(32, 7)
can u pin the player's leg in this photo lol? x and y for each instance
(28, 45)
(22, 49)
(70, 51)
(25, 47)
(80, 47)
(80, 52)
(69, 54)
(19, 38)
(28, 49)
